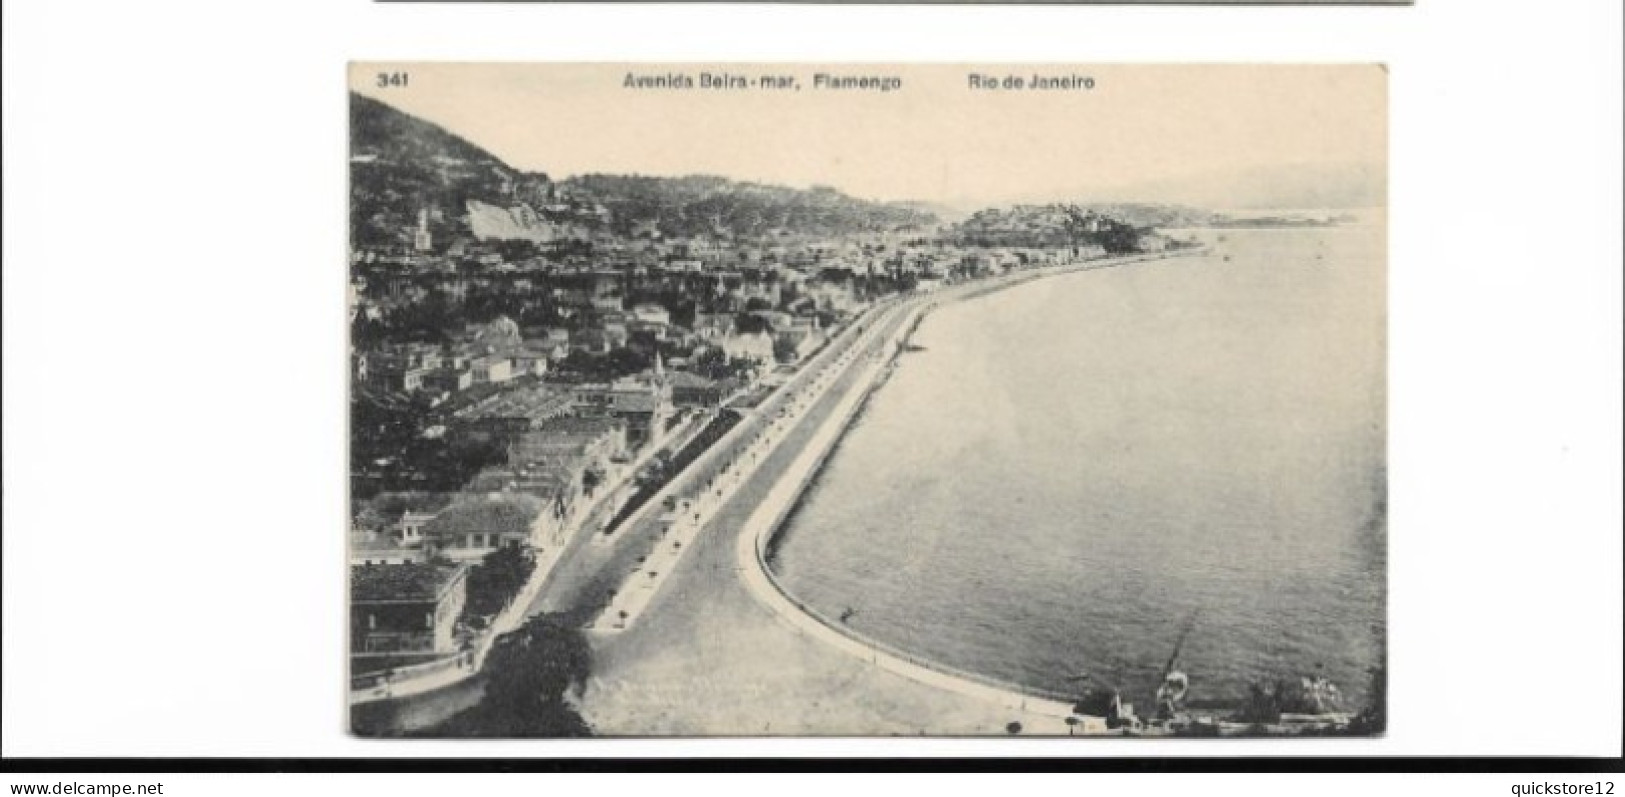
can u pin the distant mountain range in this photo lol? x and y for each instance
(401, 166)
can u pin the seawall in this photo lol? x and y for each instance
(763, 525)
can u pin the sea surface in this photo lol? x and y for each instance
(1064, 474)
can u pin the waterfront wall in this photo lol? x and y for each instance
(756, 539)
(766, 522)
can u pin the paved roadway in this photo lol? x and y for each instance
(771, 436)
(707, 657)
(589, 571)
(585, 581)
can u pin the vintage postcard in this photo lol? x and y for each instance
(867, 400)
(1031, 2)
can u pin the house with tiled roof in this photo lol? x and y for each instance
(712, 326)
(571, 441)
(470, 529)
(557, 487)
(402, 369)
(692, 390)
(449, 379)
(409, 529)
(756, 346)
(403, 613)
(505, 415)
(644, 403)
(651, 313)
(368, 547)
(531, 358)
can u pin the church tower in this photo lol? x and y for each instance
(421, 240)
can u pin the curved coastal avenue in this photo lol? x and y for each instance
(721, 650)
(759, 529)
(765, 522)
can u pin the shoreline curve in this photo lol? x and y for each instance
(767, 521)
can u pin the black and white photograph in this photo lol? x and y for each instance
(592, 397)
(867, 400)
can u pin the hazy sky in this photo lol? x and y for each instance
(1159, 133)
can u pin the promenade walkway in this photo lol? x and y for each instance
(716, 648)
(709, 645)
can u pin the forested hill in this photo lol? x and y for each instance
(715, 205)
(701, 204)
(1045, 226)
(395, 137)
(401, 165)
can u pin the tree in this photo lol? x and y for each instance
(608, 367)
(715, 364)
(525, 694)
(749, 324)
(368, 517)
(516, 250)
(785, 351)
(591, 478)
(528, 675)
(498, 578)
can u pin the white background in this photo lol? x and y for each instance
(174, 271)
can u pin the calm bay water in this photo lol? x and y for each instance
(1073, 467)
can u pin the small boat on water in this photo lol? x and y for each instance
(1310, 705)
(1172, 690)
(1175, 683)
(1169, 718)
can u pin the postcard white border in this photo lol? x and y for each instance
(175, 224)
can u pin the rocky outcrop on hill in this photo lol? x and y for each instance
(402, 167)
(516, 223)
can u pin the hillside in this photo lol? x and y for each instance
(1160, 216)
(708, 205)
(401, 165)
(383, 132)
(1044, 226)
